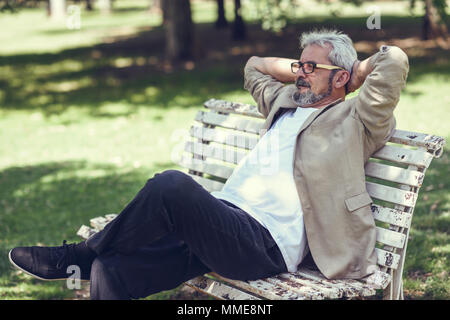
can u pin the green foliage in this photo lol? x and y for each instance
(440, 5)
(355, 2)
(273, 15)
(15, 5)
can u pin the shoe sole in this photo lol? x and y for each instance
(33, 275)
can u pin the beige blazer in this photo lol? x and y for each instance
(332, 147)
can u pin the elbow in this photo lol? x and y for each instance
(252, 62)
(399, 54)
(400, 60)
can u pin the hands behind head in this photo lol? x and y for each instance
(356, 80)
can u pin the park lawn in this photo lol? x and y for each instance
(86, 117)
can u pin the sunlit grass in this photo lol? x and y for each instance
(422, 106)
(53, 35)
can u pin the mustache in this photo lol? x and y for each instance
(302, 83)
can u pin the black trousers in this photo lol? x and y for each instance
(173, 231)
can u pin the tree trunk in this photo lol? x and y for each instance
(163, 6)
(221, 19)
(178, 29)
(433, 27)
(89, 6)
(57, 9)
(105, 6)
(155, 6)
(239, 31)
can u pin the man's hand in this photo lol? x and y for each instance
(361, 69)
(355, 82)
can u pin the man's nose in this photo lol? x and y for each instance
(300, 74)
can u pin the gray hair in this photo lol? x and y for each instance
(342, 54)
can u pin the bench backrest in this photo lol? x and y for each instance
(225, 132)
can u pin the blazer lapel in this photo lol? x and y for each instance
(274, 115)
(317, 113)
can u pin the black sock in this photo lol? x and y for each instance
(84, 252)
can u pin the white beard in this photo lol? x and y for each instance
(309, 97)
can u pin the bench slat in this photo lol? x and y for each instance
(392, 216)
(233, 107)
(324, 291)
(218, 289)
(391, 238)
(432, 143)
(215, 152)
(390, 194)
(394, 174)
(213, 169)
(378, 279)
(99, 223)
(338, 289)
(350, 287)
(262, 288)
(311, 293)
(225, 121)
(225, 137)
(85, 232)
(387, 259)
(208, 184)
(418, 158)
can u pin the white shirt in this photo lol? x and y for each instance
(263, 185)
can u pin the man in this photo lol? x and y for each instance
(266, 218)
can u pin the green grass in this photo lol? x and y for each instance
(87, 116)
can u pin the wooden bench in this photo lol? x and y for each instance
(223, 134)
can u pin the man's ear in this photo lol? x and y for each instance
(341, 79)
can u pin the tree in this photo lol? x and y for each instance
(434, 20)
(221, 19)
(89, 6)
(179, 29)
(57, 9)
(239, 31)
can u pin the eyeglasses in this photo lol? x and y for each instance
(309, 66)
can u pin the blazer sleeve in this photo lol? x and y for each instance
(380, 93)
(265, 89)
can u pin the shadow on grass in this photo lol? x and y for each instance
(46, 203)
(131, 70)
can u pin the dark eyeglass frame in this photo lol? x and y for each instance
(299, 64)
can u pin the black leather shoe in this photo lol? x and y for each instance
(50, 263)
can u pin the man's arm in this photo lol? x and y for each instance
(381, 78)
(265, 79)
(279, 68)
